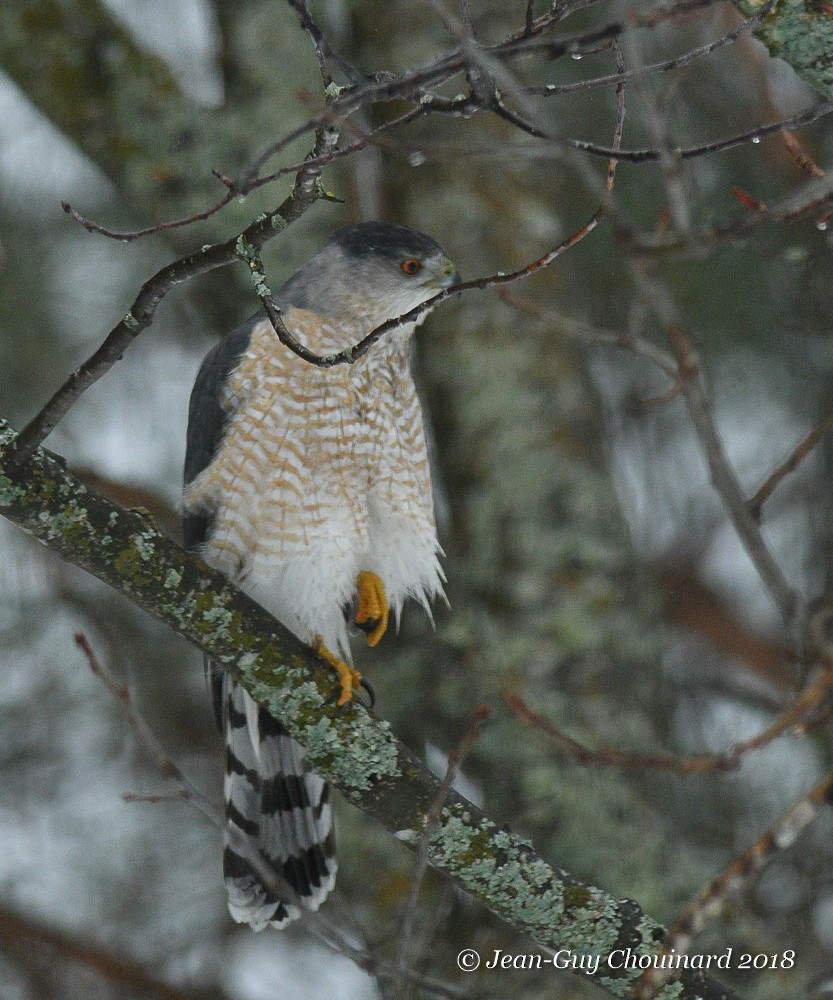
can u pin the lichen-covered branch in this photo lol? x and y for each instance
(801, 34)
(351, 747)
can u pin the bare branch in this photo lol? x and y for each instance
(161, 227)
(432, 819)
(724, 479)
(324, 53)
(801, 157)
(792, 462)
(585, 333)
(668, 158)
(735, 877)
(652, 154)
(240, 188)
(810, 709)
(188, 791)
(667, 66)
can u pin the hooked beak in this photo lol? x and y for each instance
(448, 277)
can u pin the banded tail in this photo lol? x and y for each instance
(279, 809)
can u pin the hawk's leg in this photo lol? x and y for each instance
(372, 609)
(350, 677)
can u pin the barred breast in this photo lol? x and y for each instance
(322, 473)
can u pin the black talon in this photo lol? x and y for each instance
(369, 688)
(368, 625)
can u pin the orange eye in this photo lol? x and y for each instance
(411, 266)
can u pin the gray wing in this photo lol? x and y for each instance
(207, 419)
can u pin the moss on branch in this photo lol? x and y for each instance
(801, 33)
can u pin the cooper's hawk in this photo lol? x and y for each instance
(309, 487)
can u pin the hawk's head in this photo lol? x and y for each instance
(369, 273)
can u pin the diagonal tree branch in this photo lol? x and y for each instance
(23, 934)
(352, 748)
(305, 192)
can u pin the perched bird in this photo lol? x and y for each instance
(309, 488)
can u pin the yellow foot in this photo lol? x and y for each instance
(350, 677)
(372, 611)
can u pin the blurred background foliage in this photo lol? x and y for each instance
(592, 569)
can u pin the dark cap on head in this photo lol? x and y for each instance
(384, 239)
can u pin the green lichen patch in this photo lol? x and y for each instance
(245, 250)
(132, 568)
(10, 492)
(68, 525)
(354, 760)
(801, 34)
(503, 871)
(489, 864)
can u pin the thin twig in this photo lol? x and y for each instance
(649, 404)
(723, 476)
(736, 876)
(808, 201)
(652, 154)
(323, 52)
(670, 164)
(239, 188)
(800, 156)
(813, 706)
(162, 761)
(273, 312)
(585, 333)
(365, 139)
(623, 759)
(350, 355)
(128, 236)
(792, 462)
(619, 126)
(669, 65)
(455, 759)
